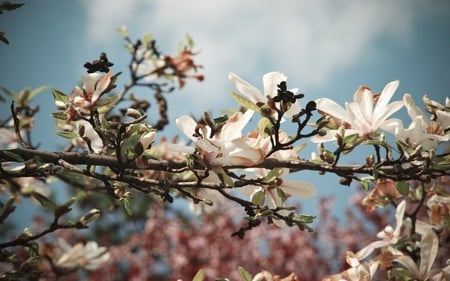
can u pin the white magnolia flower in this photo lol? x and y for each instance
(213, 197)
(94, 85)
(271, 81)
(388, 236)
(429, 246)
(364, 116)
(357, 272)
(89, 256)
(422, 130)
(272, 193)
(226, 147)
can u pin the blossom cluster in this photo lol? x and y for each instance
(245, 156)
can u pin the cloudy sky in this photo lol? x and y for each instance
(325, 47)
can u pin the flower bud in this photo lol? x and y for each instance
(93, 215)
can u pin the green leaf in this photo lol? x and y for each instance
(199, 276)
(127, 206)
(189, 41)
(245, 102)
(281, 194)
(60, 96)
(67, 135)
(60, 115)
(265, 127)
(403, 188)
(45, 201)
(36, 91)
(258, 198)
(147, 38)
(245, 275)
(123, 31)
(300, 147)
(14, 156)
(272, 175)
(365, 185)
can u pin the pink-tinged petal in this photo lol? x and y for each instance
(181, 148)
(428, 251)
(147, 139)
(388, 111)
(395, 127)
(364, 98)
(409, 264)
(399, 214)
(385, 97)
(274, 200)
(330, 107)
(366, 251)
(232, 129)
(206, 145)
(101, 85)
(246, 89)
(413, 110)
(187, 125)
(299, 188)
(271, 81)
(358, 121)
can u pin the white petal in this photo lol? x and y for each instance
(385, 97)
(299, 188)
(271, 81)
(428, 251)
(246, 89)
(330, 107)
(187, 125)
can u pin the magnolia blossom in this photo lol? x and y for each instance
(388, 236)
(422, 131)
(212, 199)
(357, 272)
(226, 147)
(364, 116)
(279, 185)
(271, 81)
(89, 256)
(297, 188)
(82, 99)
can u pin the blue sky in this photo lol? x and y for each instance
(327, 48)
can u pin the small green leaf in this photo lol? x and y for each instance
(245, 275)
(45, 201)
(127, 206)
(281, 194)
(13, 156)
(245, 102)
(403, 188)
(189, 41)
(123, 31)
(67, 135)
(199, 276)
(300, 147)
(365, 185)
(147, 38)
(60, 96)
(36, 91)
(258, 198)
(273, 174)
(60, 115)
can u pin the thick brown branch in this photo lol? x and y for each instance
(397, 172)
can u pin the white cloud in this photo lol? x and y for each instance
(308, 40)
